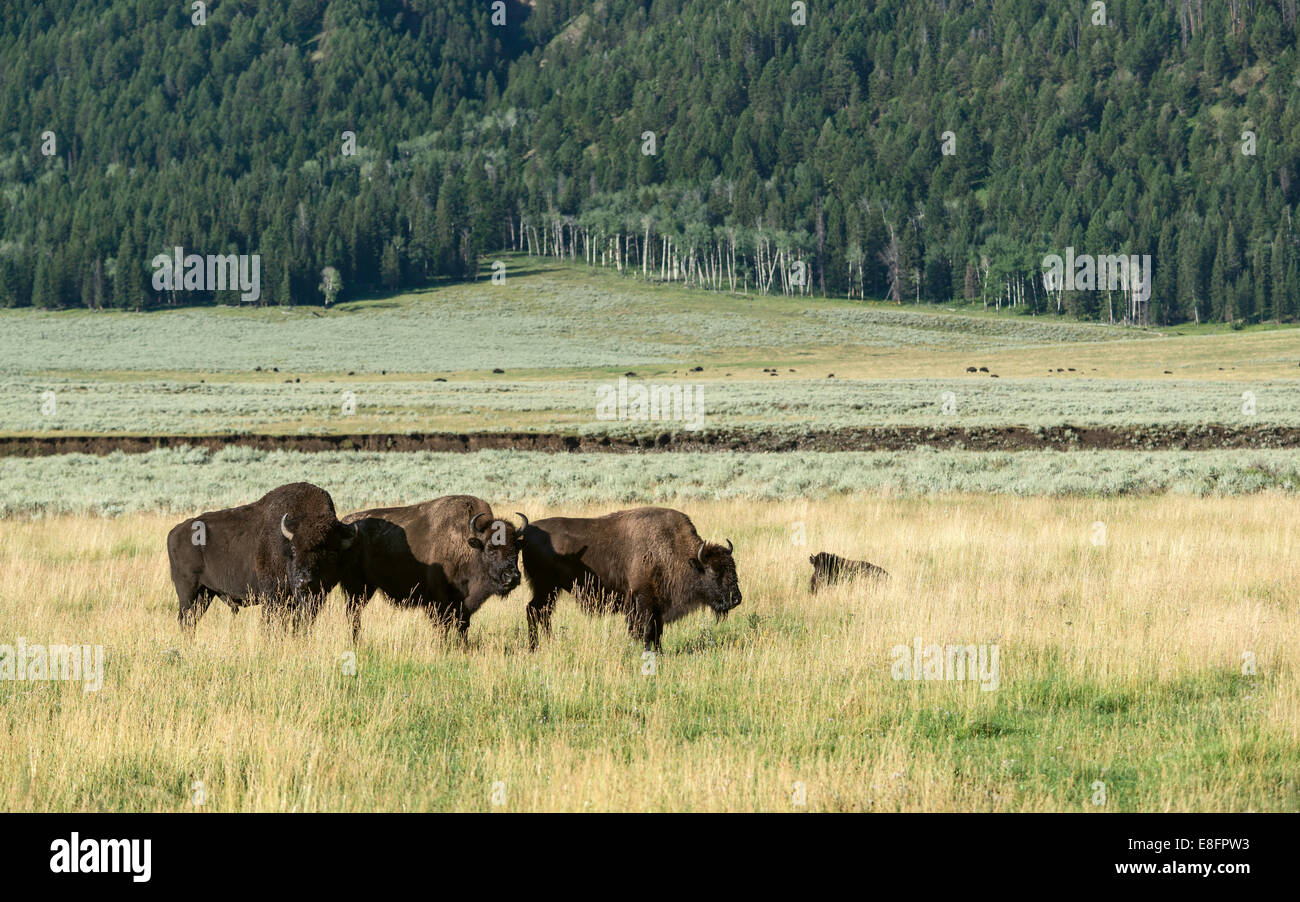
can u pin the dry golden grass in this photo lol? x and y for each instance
(1120, 662)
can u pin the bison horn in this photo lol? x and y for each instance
(525, 519)
(730, 547)
(473, 527)
(284, 528)
(699, 555)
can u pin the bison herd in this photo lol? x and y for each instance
(288, 550)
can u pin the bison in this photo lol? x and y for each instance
(831, 568)
(282, 550)
(649, 564)
(448, 556)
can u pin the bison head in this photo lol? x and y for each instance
(315, 548)
(821, 563)
(497, 544)
(717, 569)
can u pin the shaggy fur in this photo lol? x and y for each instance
(831, 568)
(426, 555)
(241, 556)
(649, 564)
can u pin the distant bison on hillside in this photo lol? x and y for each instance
(831, 568)
(281, 551)
(649, 564)
(447, 556)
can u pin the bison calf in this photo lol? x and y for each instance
(648, 563)
(448, 556)
(282, 550)
(831, 568)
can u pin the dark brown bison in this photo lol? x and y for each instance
(448, 556)
(831, 568)
(281, 551)
(649, 564)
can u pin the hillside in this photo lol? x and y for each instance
(775, 143)
(531, 356)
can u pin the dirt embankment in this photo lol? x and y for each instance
(876, 438)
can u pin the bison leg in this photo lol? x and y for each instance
(654, 631)
(645, 618)
(447, 616)
(304, 612)
(441, 611)
(462, 623)
(194, 600)
(539, 614)
(356, 596)
(354, 606)
(276, 615)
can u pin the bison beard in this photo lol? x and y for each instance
(831, 568)
(281, 551)
(648, 563)
(448, 556)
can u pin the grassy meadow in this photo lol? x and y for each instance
(425, 361)
(1120, 661)
(778, 405)
(1142, 603)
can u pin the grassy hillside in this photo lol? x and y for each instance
(555, 317)
(559, 332)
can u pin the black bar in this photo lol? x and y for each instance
(653, 853)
